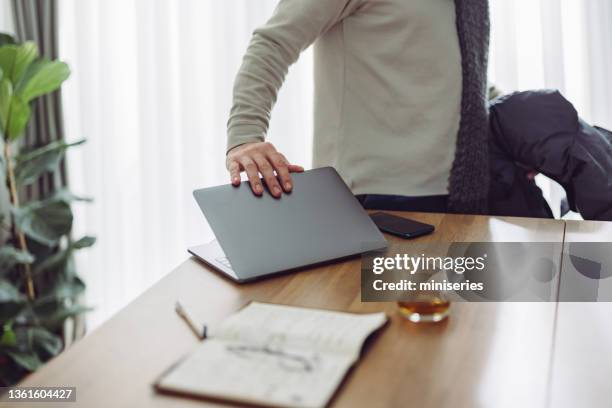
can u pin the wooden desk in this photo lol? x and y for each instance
(582, 364)
(484, 355)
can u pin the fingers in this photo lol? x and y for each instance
(252, 173)
(294, 168)
(261, 157)
(234, 170)
(282, 170)
(267, 171)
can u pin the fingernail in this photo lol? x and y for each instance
(277, 190)
(236, 180)
(288, 186)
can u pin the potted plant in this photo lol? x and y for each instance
(39, 287)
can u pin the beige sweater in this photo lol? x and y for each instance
(387, 88)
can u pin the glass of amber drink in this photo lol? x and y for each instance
(425, 307)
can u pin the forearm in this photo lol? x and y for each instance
(272, 50)
(259, 79)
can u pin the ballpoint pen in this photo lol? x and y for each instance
(200, 333)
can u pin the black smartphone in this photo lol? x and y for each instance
(401, 227)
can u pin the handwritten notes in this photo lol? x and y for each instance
(275, 355)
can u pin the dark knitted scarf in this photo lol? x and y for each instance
(469, 179)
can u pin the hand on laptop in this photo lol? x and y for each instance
(261, 157)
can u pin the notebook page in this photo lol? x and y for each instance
(233, 371)
(275, 356)
(302, 328)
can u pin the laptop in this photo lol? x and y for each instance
(318, 222)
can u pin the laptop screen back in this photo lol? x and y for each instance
(319, 221)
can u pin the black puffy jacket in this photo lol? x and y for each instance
(541, 131)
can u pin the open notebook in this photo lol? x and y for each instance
(275, 356)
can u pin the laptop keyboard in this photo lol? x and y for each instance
(224, 261)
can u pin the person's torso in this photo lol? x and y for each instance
(388, 84)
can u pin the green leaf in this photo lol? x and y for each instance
(24, 77)
(11, 256)
(28, 360)
(84, 242)
(56, 261)
(19, 116)
(53, 314)
(11, 310)
(12, 301)
(15, 59)
(31, 165)
(72, 289)
(9, 293)
(42, 77)
(46, 149)
(44, 221)
(6, 97)
(8, 58)
(9, 338)
(62, 290)
(14, 112)
(6, 39)
(26, 54)
(45, 341)
(67, 196)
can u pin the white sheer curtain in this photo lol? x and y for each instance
(6, 18)
(151, 90)
(562, 44)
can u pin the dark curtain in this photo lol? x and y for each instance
(36, 20)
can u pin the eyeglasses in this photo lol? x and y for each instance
(286, 361)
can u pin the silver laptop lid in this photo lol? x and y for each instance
(319, 221)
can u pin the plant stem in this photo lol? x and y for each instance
(19, 234)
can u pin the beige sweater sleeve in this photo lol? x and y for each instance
(295, 25)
